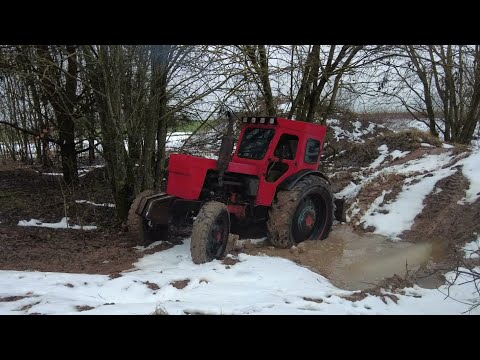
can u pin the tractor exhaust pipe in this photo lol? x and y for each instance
(226, 148)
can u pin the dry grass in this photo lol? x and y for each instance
(159, 310)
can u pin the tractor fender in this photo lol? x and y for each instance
(290, 181)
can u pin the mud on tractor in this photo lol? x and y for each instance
(272, 176)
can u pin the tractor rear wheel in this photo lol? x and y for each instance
(210, 232)
(303, 213)
(138, 228)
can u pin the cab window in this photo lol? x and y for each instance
(312, 151)
(255, 143)
(287, 147)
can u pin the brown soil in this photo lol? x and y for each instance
(230, 261)
(26, 194)
(159, 247)
(57, 250)
(115, 275)
(318, 301)
(84, 307)
(391, 284)
(374, 292)
(12, 298)
(29, 306)
(152, 286)
(180, 284)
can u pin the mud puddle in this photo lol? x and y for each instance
(356, 261)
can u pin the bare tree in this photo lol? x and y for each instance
(48, 75)
(440, 86)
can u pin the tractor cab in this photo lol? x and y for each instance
(278, 148)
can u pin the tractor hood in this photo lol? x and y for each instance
(186, 174)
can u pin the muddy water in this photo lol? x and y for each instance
(356, 261)
(362, 260)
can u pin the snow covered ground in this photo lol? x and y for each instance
(256, 285)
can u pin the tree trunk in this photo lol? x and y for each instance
(473, 113)
(63, 103)
(68, 152)
(422, 74)
(257, 55)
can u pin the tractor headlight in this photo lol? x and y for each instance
(261, 120)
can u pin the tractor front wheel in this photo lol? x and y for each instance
(139, 229)
(303, 213)
(210, 232)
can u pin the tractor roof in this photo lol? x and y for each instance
(303, 126)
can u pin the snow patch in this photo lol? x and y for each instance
(176, 140)
(383, 149)
(94, 204)
(426, 163)
(397, 154)
(62, 224)
(350, 191)
(426, 145)
(373, 208)
(472, 249)
(471, 170)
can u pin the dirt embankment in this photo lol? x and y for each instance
(444, 222)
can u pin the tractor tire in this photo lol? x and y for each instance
(303, 213)
(138, 229)
(210, 232)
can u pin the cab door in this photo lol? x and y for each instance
(280, 164)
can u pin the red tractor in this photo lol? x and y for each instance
(273, 176)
